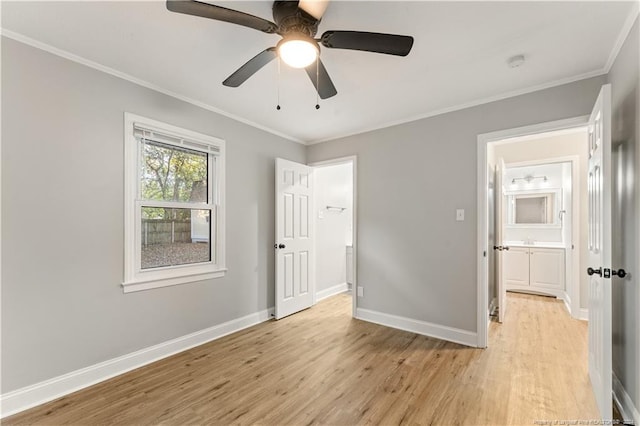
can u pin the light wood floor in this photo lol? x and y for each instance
(321, 366)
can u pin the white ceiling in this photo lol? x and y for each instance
(458, 58)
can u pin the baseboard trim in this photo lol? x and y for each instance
(624, 402)
(456, 335)
(48, 390)
(331, 291)
(493, 306)
(583, 314)
(567, 304)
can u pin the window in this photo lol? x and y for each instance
(174, 205)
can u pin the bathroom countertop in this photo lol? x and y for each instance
(540, 244)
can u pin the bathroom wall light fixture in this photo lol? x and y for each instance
(529, 178)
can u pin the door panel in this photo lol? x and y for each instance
(294, 243)
(304, 272)
(516, 267)
(599, 235)
(304, 216)
(547, 268)
(288, 216)
(287, 260)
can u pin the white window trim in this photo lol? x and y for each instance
(136, 279)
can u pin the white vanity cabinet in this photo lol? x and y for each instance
(535, 269)
(546, 268)
(516, 267)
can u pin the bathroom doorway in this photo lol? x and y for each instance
(524, 146)
(543, 198)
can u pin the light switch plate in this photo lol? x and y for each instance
(360, 291)
(460, 215)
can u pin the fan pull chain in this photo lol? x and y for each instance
(318, 82)
(278, 105)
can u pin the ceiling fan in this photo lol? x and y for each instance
(297, 23)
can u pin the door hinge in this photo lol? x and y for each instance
(484, 253)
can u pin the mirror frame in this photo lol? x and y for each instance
(510, 208)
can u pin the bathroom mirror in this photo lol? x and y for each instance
(534, 208)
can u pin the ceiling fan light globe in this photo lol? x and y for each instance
(298, 53)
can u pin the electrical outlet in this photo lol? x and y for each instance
(360, 291)
(460, 215)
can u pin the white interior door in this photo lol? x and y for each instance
(499, 198)
(599, 184)
(294, 244)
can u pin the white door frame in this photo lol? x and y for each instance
(482, 239)
(498, 238)
(353, 160)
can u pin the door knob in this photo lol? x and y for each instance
(279, 246)
(621, 273)
(592, 271)
(505, 248)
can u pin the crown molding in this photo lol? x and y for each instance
(622, 35)
(477, 102)
(124, 76)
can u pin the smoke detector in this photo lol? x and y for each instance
(515, 61)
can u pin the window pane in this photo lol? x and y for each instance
(175, 236)
(173, 174)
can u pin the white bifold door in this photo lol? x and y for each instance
(599, 244)
(294, 243)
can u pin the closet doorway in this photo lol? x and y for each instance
(335, 228)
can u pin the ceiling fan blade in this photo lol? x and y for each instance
(315, 8)
(251, 67)
(325, 87)
(390, 44)
(205, 10)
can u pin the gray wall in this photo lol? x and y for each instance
(62, 212)
(625, 87)
(414, 259)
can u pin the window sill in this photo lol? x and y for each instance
(142, 284)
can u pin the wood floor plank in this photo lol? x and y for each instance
(321, 366)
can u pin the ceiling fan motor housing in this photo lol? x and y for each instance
(291, 19)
